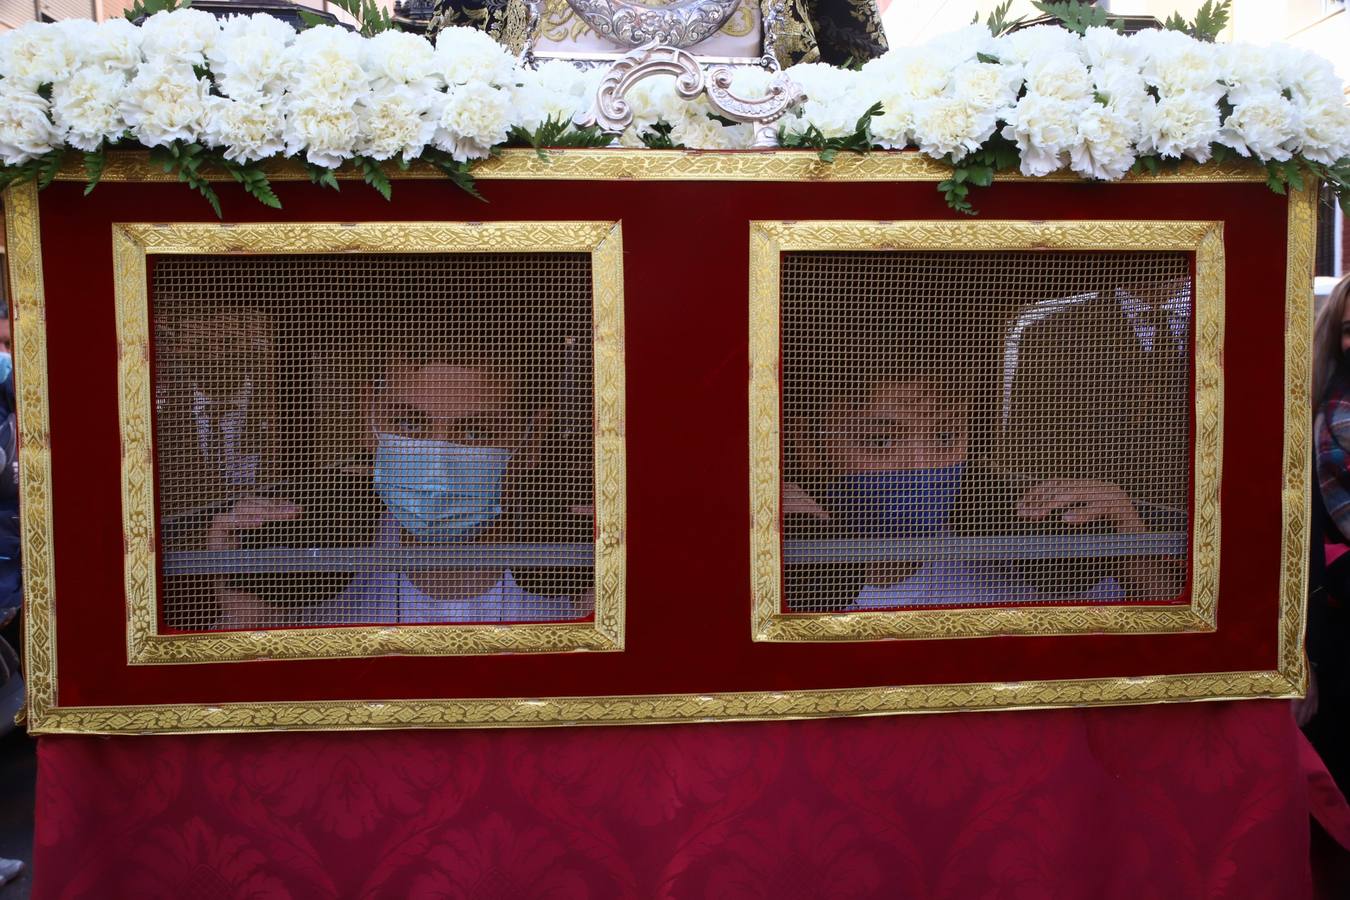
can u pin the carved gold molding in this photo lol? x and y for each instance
(1297, 487)
(132, 243)
(674, 165)
(28, 303)
(655, 709)
(769, 240)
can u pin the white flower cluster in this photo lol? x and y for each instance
(252, 87)
(1093, 103)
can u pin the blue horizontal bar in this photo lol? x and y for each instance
(999, 547)
(289, 560)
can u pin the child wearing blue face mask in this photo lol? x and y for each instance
(447, 428)
(890, 463)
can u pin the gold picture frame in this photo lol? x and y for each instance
(1286, 678)
(146, 645)
(770, 240)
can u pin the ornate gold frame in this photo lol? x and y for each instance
(132, 243)
(1286, 679)
(769, 240)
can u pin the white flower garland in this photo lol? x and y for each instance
(251, 88)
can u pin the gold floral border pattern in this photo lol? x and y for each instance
(648, 709)
(769, 240)
(1298, 485)
(674, 165)
(45, 717)
(28, 306)
(131, 245)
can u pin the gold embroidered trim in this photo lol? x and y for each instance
(674, 165)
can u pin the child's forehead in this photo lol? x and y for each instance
(444, 381)
(915, 395)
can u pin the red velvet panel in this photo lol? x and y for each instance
(1193, 801)
(687, 434)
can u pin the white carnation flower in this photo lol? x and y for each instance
(325, 128)
(836, 99)
(1309, 78)
(1122, 88)
(397, 59)
(398, 120)
(1262, 124)
(1182, 125)
(36, 54)
(894, 128)
(986, 84)
(248, 128)
(1249, 66)
(702, 133)
(1106, 46)
(1106, 140)
(1060, 75)
(467, 55)
(1044, 129)
(963, 44)
(950, 125)
(327, 64)
(476, 117)
(1177, 63)
(1031, 44)
(115, 47)
(87, 107)
(26, 132)
(250, 57)
(1326, 130)
(556, 90)
(917, 72)
(181, 36)
(165, 102)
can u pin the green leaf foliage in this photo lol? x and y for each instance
(371, 18)
(558, 133)
(859, 141)
(1210, 19)
(998, 22)
(1078, 15)
(143, 9)
(977, 170)
(93, 169)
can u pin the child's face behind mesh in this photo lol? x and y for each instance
(464, 404)
(899, 425)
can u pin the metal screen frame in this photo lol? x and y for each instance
(146, 645)
(770, 240)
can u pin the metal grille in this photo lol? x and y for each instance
(372, 439)
(966, 428)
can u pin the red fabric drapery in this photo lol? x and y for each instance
(1198, 800)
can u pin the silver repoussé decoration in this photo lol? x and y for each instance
(611, 111)
(683, 23)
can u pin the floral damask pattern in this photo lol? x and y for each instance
(1203, 800)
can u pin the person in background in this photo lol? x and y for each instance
(1325, 712)
(11, 578)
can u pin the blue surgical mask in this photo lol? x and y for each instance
(910, 502)
(6, 367)
(439, 490)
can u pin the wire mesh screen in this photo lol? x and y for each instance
(369, 439)
(964, 428)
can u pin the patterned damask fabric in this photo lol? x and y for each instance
(1195, 801)
(832, 31)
